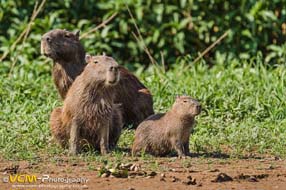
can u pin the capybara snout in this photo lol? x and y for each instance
(188, 106)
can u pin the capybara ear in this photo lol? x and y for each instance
(87, 58)
(77, 34)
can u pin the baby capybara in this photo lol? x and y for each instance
(89, 114)
(159, 134)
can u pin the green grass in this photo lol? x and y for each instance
(244, 107)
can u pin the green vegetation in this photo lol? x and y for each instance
(244, 110)
(240, 82)
(173, 28)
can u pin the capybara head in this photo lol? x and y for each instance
(62, 45)
(106, 69)
(185, 105)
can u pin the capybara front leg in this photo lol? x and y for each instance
(187, 149)
(179, 148)
(74, 138)
(104, 141)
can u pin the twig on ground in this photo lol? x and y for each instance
(211, 46)
(103, 24)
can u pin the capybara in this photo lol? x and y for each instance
(89, 114)
(68, 55)
(136, 99)
(159, 134)
(65, 49)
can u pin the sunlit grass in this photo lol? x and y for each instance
(244, 108)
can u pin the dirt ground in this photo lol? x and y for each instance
(163, 173)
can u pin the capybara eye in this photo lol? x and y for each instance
(185, 101)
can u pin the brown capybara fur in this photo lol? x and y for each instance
(161, 133)
(135, 98)
(59, 132)
(65, 49)
(89, 114)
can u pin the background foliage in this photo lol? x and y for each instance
(243, 92)
(175, 28)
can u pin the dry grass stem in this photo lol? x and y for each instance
(103, 24)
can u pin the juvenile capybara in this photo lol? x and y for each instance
(136, 99)
(68, 55)
(89, 114)
(161, 133)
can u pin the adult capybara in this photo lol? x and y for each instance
(89, 114)
(159, 134)
(136, 99)
(65, 49)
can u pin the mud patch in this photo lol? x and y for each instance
(159, 173)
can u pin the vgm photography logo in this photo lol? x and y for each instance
(25, 178)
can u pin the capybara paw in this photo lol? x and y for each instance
(104, 151)
(183, 156)
(73, 151)
(188, 154)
